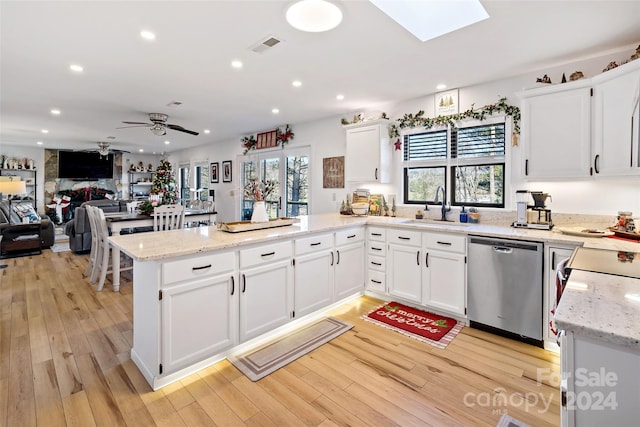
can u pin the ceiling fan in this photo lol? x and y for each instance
(159, 125)
(104, 150)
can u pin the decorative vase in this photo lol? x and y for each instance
(259, 212)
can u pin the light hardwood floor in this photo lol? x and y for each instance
(64, 360)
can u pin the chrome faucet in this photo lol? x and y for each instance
(445, 209)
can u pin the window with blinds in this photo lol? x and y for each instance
(468, 161)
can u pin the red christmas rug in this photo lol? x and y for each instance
(421, 325)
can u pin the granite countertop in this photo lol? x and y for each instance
(176, 243)
(602, 307)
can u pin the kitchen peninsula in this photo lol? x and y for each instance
(199, 293)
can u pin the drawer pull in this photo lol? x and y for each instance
(418, 258)
(376, 263)
(376, 281)
(375, 249)
(443, 243)
(233, 285)
(351, 237)
(315, 244)
(404, 238)
(331, 257)
(338, 252)
(244, 283)
(268, 254)
(426, 260)
(377, 234)
(203, 267)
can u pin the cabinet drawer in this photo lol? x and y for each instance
(446, 242)
(351, 235)
(376, 281)
(265, 254)
(377, 234)
(405, 237)
(376, 262)
(377, 248)
(197, 267)
(313, 244)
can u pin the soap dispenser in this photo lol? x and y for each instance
(463, 215)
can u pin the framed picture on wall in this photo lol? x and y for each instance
(226, 171)
(446, 103)
(214, 173)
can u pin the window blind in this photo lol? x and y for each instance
(429, 145)
(478, 141)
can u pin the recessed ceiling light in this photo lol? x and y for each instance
(207, 131)
(55, 112)
(296, 83)
(147, 35)
(167, 142)
(441, 86)
(76, 68)
(340, 97)
(275, 111)
(236, 64)
(39, 143)
(141, 150)
(44, 131)
(430, 19)
(314, 16)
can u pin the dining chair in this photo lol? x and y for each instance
(94, 244)
(103, 253)
(168, 217)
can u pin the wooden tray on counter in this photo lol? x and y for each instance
(240, 226)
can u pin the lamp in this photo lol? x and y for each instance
(314, 16)
(158, 129)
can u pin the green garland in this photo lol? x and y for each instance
(282, 138)
(418, 119)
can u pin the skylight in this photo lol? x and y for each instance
(428, 19)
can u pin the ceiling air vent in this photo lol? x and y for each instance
(265, 44)
(174, 104)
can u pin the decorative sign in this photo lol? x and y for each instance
(446, 103)
(333, 172)
(267, 139)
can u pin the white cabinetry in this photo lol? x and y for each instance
(404, 271)
(266, 288)
(376, 259)
(368, 154)
(614, 98)
(445, 277)
(556, 131)
(555, 254)
(313, 273)
(349, 262)
(198, 307)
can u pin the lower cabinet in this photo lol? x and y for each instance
(376, 259)
(445, 272)
(266, 289)
(555, 255)
(404, 263)
(313, 273)
(198, 320)
(349, 263)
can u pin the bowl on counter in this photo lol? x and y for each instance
(360, 208)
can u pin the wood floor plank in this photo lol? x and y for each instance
(49, 408)
(219, 412)
(194, 415)
(242, 407)
(292, 401)
(4, 401)
(77, 410)
(21, 408)
(271, 407)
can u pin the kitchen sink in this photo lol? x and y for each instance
(431, 222)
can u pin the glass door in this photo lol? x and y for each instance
(270, 171)
(297, 201)
(248, 172)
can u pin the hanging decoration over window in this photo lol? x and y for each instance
(268, 139)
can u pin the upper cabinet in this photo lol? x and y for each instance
(368, 155)
(615, 97)
(582, 128)
(556, 131)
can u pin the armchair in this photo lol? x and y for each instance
(11, 229)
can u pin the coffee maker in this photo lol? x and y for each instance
(534, 215)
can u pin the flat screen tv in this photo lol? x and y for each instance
(84, 165)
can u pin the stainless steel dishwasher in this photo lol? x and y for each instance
(504, 285)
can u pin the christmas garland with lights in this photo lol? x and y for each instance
(282, 138)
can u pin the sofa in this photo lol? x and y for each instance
(79, 229)
(11, 225)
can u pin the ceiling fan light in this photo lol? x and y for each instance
(314, 16)
(158, 129)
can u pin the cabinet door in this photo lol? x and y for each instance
(556, 133)
(445, 281)
(313, 279)
(197, 321)
(368, 155)
(349, 270)
(404, 272)
(266, 297)
(613, 109)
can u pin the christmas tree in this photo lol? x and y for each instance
(164, 183)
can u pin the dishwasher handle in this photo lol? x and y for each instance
(502, 249)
